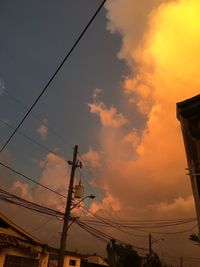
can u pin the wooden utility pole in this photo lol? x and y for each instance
(150, 244)
(75, 164)
(181, 262)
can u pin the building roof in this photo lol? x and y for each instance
(189, 107)
(9, 240)
(54, 253)
(6, 223)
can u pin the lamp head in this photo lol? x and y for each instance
(91, 196)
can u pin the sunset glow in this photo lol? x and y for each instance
(122, 110)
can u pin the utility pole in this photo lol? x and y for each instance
(150, 244)
(181, 262)
(75, 164)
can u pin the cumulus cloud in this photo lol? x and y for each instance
(133, 138)
(22, 189)
(130, 20)
(178, 208)
(109, 204)
(108, 116)
(93, 158)
(164, 69)
(55, 175)
(43, 130)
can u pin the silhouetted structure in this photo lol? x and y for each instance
(188, 113)
(122, 255)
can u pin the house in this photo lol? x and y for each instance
(93, 261)
(71, 258)
(76, 259)
(188, 113)
(19, 248)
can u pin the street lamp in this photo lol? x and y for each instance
(72, 218)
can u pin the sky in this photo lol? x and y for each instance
(115, 98)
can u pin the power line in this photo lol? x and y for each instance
(120, 226)
(31, 179)
(53, 76)
(64, 140)
(32, 140)
(168, 233)
(40, 226)
(107, 222)
(141, 224)
(92, 189)
(102, 234)
(13, 199)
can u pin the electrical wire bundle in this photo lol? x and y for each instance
(90, 224)
(13, 199)
(143, 224)
(101, 235)
(139, 225)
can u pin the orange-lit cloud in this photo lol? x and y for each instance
(22, 190)
(93, 158)
(165, 69)
(130, 19)
(109, 204)
(55, 175)
(176, 209)
(108, 116)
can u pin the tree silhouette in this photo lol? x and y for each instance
(195, 238)
(122, 255)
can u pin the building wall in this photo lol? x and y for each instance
(43, 258)
(188, 113)
(69, 259)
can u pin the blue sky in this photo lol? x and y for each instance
(35, 38)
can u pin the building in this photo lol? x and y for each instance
(70, 258)
(76, 259)
(188, 113)
(19, 248)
